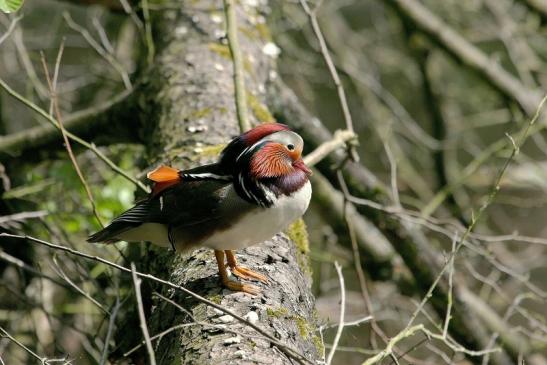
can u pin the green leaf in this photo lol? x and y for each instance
(9, 6)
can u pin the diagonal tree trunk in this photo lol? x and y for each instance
(188, 114)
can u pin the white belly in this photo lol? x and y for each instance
(262, 224)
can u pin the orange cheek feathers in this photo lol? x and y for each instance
(270, 161)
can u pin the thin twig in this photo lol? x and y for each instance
(357, 263)
(28, 66)
(65, 277)
(53, 88)
(340, 138)
(170, 329)
(10, 28)
(393, 169)
(55, 103)
(99, 49)
(239, 81)
(356, 322)
(4, 256)
(6, 334)
(159, 335)
(111, 322)
(134, 17)
(450, 289)
(357, 350)
(342, 312)
(312, 14)
(410, 331)
(384, 96)
(102, 35)
(6, 220)
(142, 318)
(391, 344)
(148, 32)
(368, 235)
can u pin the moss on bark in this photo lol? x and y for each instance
(188, 115)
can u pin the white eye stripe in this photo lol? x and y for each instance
(242, 153)
(268, 193)
(250, 148)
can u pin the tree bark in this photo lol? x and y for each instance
(188, 114)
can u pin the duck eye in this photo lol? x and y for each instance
(290, 147)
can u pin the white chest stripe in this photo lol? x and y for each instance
(247, 192)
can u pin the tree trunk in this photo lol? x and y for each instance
(188, 114)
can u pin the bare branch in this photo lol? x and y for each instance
(142, 318)
(4, 256)
(14, 340)
(10, 28)
(450, 288)
(341, 138)
(57, 268)
(11, 220)
(239, 81)
(100, 50)
(148, 32)
(111, 323)
(312, 14)
(342, 313)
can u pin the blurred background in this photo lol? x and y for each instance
(438, 91)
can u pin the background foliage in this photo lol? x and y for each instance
(433, 131)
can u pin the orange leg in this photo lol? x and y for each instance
(241, 271)
(230, 284)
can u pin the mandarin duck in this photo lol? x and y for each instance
(256, 189)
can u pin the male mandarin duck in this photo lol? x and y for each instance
(257, 188)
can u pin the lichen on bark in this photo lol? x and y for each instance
(187, 102)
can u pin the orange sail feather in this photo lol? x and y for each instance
(164, 177)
